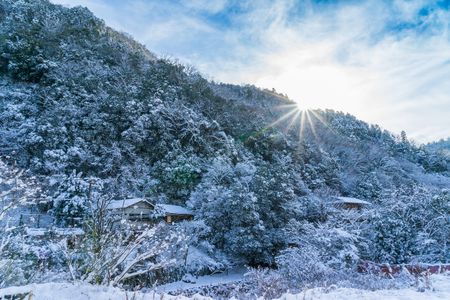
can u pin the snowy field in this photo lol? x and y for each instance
(440, 290)
(233, 275)
(79, 291)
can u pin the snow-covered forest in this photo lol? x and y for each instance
(88, 116)
(442, 146)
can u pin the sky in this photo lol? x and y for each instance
(386, 62)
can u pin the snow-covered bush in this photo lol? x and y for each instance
(198, 262)
(13, 272)
(265, 283)
(18, 263)
(411, 226)
(393, 239)
(335, 244)
(302, 265)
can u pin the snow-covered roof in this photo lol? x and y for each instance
(116, 204)
(173, 209)
(167, 209)
(58, 231)
(68, 231)
(36, 231)
(351, 200)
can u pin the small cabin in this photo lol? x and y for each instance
(174, 213)
(136, 210)
(140, 211)
(350, 203)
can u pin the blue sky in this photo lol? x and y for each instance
(387, 62)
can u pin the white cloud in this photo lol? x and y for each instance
(343, 59)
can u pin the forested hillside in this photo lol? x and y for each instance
(442, 146)
(84, 108)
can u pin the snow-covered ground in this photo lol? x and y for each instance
(233, 275)
(80, 291)
(440, 289)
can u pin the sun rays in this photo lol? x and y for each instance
(301, 123)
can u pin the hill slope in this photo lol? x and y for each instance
(80, 101)
(441, 146)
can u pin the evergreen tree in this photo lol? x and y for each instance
(71, 200)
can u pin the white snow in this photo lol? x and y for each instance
(116, 204)
(351, 200)
(36, 231)
(440, 290)
(198, 260)
(68, 231)
(58, 231)
(167, 209)
(83, 291)
(170, 209)
(231, 276)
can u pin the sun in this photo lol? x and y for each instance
(303, 122)
(319, 83)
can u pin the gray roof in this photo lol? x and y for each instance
(170, 209)
(117, 204)
(165, 209)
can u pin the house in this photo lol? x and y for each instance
(140, 211)
(136, 210)
(174, 213)
(350, 203)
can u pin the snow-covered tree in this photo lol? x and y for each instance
(72, 199)
(16, 189)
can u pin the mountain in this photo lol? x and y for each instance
(82, 103)
(442, 146)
